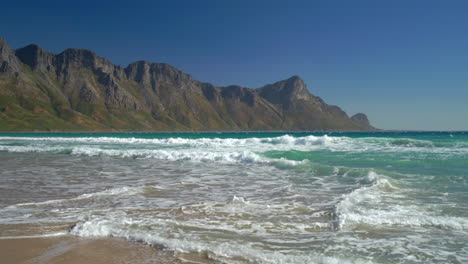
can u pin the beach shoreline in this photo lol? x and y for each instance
(68, 249)
(234, 198)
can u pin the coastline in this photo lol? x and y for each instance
(207, 131)
(377, 131)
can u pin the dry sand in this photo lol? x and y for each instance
(75, 250)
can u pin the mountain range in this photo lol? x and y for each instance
(76, 90)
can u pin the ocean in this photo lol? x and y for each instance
(384, 197)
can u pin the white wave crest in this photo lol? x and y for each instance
(285, 142)
(174, 155)
(238, 200)
(281, 140)
(380, 204)
(154, 232)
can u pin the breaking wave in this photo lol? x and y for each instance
(285, 140)
(215, 149)
(138, 230)
(381, 205)
(228, 219)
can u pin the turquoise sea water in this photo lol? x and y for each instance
(386, 197)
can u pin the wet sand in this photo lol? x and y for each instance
(75, 250)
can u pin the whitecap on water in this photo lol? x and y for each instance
(380, 205)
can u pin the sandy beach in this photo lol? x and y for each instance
(75, 250)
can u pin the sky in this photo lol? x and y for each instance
(403, 63)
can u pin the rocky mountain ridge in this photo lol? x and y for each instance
(78, 90)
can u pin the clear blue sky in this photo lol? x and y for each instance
(403, 63)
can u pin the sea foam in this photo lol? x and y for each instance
(147, 231)
(142, 147)
(382, 205)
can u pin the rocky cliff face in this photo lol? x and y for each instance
(78, 90)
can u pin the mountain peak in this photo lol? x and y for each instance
(143, 71)
(2, 41)
(79, 51)
(4, 46)
(140, 63)
(79, 55)
(286, 92)
(34, 56)
(295, 78)
(32, 47)
(8, 62)
(82, 58)
(297, 84)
